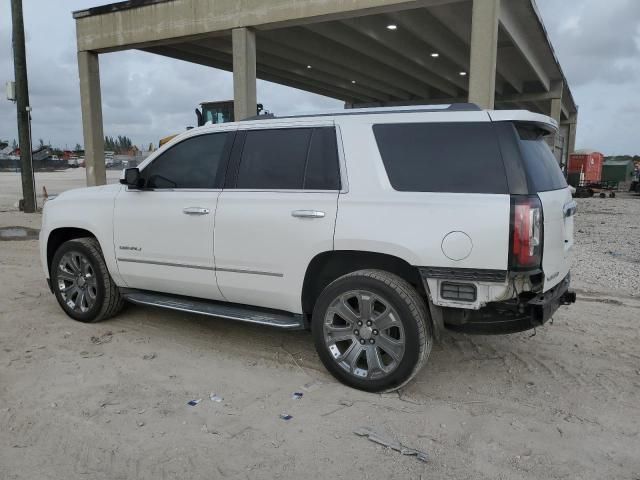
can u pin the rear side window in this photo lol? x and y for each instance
(289, 159)
(541, 165)
(442, 157)
(323, 171)
(193, 163)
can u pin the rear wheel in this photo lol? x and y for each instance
(81, 282)
(372, 330)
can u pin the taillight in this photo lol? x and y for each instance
(526, 233)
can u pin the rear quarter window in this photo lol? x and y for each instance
(442, 157)
(543, 172)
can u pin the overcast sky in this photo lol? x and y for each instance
(147, 96)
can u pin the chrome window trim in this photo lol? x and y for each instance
(204, 190)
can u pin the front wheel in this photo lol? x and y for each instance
(371, 330)
(81, 282)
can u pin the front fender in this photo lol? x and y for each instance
(89, 209)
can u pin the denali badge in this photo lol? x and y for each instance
(126, 247)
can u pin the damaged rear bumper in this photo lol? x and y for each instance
(517, 315)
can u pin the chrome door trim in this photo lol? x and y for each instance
(165, 264)
(251, 272)
(200, 267)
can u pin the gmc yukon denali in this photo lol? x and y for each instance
(374, 228)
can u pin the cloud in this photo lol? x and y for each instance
(147, 97)
(144, 96)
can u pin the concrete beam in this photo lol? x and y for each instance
(244, 73)
(368, 47)
(442, 73)
(91, 106)
(339, 70)
(223, 61)
(156, 23)
(442, 40)
(315, 45)
(484, 52)
(515, 31)
(285, 65)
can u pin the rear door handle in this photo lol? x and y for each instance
(307, 214)
(196, 211)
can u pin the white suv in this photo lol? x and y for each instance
(375, 228)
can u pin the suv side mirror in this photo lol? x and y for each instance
(132, 178)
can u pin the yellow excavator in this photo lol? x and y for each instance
(214, 112)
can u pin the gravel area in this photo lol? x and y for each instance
(607, 251)
(109, 400)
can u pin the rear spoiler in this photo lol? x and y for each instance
(542, 122)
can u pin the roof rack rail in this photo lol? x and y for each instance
(453, 107)
(264, 116)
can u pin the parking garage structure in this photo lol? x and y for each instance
(366, 53)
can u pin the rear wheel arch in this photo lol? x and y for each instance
(328, 266)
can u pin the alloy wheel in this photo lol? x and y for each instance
(364, 334)
(76, 281)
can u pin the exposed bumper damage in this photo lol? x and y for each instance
(525, 312)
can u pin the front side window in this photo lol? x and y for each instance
(193, 163)
(442, 157)
(289, 159)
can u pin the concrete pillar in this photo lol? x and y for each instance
(556, 100)
(91, 106)
(573, 123)
(484, 52)
(555, 112)
(244, 73)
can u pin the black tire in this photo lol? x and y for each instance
(108, 301)
(412, 313)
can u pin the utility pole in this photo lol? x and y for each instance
(23, 108)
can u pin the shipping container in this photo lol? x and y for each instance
(588, 163)
(617, 171)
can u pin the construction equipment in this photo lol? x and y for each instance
(215, 112)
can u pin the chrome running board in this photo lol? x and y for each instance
(231, 311)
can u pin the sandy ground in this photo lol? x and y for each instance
(564, 403)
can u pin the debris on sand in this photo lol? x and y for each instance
(149, 356)
(215, 397)
(85, 354)
(296, 395)
(285, 416)
(193, 403)
(104, 338)
(392, 444)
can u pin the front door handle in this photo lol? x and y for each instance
(196, 211)
(307, 214)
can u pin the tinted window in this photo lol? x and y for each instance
(289, 159)
(442, 157)
(323, 171)
(274, 159)
(192, 163)
(541, 165)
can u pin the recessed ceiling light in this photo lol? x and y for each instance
(463, 74)
(309, 66)
(435, 54)
(353, 81)
(392, 27)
